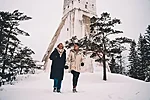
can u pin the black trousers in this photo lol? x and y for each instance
(75, 78)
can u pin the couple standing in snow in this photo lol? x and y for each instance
(59, 63)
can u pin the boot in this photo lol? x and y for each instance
(74, 90)
(58, 91)
(55, 89)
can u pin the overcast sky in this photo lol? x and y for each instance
(46, 14)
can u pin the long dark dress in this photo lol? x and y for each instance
(58, 65)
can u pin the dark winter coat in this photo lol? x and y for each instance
(58, 64)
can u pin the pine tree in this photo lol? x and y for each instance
(147, 75)
(13, 31)
(147, 52)
(117, 46)
(10, 43)
(114, 67)
(98, 42)
(147, 44)
(24, 60)
(134, 61)
(141, 70)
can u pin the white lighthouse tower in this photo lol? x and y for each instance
(75, 22)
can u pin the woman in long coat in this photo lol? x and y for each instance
(58, 57)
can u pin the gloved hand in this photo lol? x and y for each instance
(82, 64)
(66, 67)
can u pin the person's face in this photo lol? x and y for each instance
(60, 46)
(76, 47)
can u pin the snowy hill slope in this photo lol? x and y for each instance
(91, 87)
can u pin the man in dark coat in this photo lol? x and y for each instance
(58, 57)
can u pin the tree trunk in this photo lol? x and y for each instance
(21, 71)
(104, 67)
(104, 59)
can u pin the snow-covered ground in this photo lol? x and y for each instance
(91, 87)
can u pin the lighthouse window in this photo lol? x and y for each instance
(67, 29)
(68, 6)
(72, 2)
(79, 1)
(86, 2)
(92, 5)
(86, 6)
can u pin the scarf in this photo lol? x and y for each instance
(60, 51)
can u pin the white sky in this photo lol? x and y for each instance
(46, 14)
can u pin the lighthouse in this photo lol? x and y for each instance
(75, 22)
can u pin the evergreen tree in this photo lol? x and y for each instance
(115, 53)
(147, 53)
(114, 67)
(98, 43)
(141, 70)
(10, 45)
(147, 44)
(11, 33)
(139, 60)
(134, 61)
(147, 79)
(24, 60)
